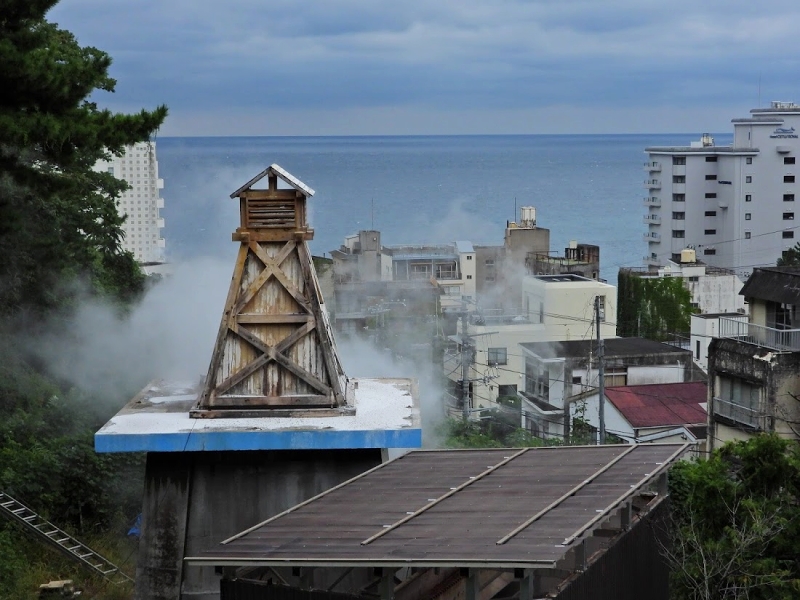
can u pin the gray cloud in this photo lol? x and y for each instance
(242, 61)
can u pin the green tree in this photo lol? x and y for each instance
(58, 218)
(790, 257)
(736, 521)
(652, 308)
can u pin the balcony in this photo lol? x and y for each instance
(652, 236)
(652, 201)
(653, 184)
(652, 166)
(652, 219)
(649, 259)
(760, 335)
(739, 414)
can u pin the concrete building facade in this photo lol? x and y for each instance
(734, 204)
(141, 203)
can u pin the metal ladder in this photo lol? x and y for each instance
(48, 533)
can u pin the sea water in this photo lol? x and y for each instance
(420, 189)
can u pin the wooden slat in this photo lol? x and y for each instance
(257, 319)
(301, 400)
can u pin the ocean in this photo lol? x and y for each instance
(420, 189)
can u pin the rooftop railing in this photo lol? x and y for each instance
(760, 335)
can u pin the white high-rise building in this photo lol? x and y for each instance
(142, 203)
(735, 205)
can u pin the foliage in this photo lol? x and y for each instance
(488, 433)
(58, 218)
(790, 257)
(736, 523)
(652, 308)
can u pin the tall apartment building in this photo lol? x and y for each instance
(142, 203)
(735, 205)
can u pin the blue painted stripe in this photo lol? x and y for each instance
(256, 440)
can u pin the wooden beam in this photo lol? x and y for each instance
(257, 319)
(250, 401)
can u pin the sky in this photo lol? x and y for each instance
(372, 67)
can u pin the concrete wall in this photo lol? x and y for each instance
(194, 500)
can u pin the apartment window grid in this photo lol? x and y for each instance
(679, 233)
(497, 356)
(788, 160)
(678, 160)
(679, 216)
(679, 197)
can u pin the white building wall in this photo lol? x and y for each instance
(142, 203)
(748, 216)
(703, 329)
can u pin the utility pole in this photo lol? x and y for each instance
(601, 373)
(466, 361)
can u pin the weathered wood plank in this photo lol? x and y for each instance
(257, 319)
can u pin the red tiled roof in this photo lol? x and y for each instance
(660, 404)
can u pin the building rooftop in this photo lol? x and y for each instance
(384, 414)
(491, 508)
(613, 347)
(778, 284)
(702, 150)
(464, 247)
(661, 404)
(564, 278)
(730, 315)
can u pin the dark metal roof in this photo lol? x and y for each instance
(778, 284)
(661, 404)
(501, 508)
(613, 347)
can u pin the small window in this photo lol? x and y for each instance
(710, 232)
(711, 159)
(748, 179)
(498, 356)
(489, 262)
(676, 257)
(469, 276)
(694, 279)
(788, 197)
(746, 216)
(788, 160)
(469, 258)
(709, 251)
(749, 160)
(711, 213)
(678, 179)
(576, 380)
(748, 198)
(711, 194)
(110, 170)
(679, 197)
(747, 235)
(788, 216)
(679, 216)
(678, 233)
(678, 160)
(788, 235)
(788, 179)
(711, 177)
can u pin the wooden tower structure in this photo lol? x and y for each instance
(275, 353)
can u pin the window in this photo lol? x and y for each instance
(676, 257)
(746, 216)
(577, 380)
(748, 198)
(788, 235)
(469, 258)
(537, 380)
(678, 179)
(711, 159)
(678, 233)
(697, 349)
(711, 194)
(615, 376)
(709, 251)
(678, 160)
(110, 170)
(747, 235)
(469, 276)
(738, 401)
(711, 213)
(694, 279)
(788, 197)
(489, 262)
(497, 356)
(507, 390)
(788, 160)
(451, 290)
(710, 232)
(601, 307)
(788, 179)
(678, 197)
(748, 179)
(749, 160)
(788, 216)
(711, 177)
(679, 216)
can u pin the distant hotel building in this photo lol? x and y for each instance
(735, 205)
(139, 167)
